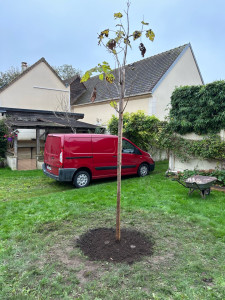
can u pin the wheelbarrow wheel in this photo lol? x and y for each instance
(207, 191)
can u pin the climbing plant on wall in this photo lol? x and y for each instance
(198, 109)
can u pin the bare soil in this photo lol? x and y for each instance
(218, 188)
(100, 245)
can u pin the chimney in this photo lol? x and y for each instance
(23, 66)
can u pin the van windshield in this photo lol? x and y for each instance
(53, 145)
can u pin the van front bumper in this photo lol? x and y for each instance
(64, 174)
(151, 167)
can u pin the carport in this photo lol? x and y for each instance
(27, 153)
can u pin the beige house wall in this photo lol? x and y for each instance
(184, 72)
(38, 89)
(100, 113)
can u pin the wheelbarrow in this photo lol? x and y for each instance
(198, 182)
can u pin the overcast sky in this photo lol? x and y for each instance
(65, 31)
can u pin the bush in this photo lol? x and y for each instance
(3, 141)
(138, 127)
(147, 132)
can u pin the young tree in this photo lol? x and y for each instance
(117, 43)
(67, 71)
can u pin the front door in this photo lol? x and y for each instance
(104, 156)
(130, 158)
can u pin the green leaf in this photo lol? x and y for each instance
(150, 34)
(127, 42)
(93, 70)
(136, 34)
(100, 37)
(86, 76)
(106, 69)
(119, 36)
(105, 32)
(118, 15)
(101, 76)
(110, 78)
(144, 23)
(102, 34)
(113, 104)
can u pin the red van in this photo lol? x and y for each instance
(78, 158)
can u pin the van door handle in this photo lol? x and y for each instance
(114, 155)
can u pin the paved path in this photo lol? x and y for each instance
(27, 164)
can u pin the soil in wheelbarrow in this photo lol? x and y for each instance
(100, 245)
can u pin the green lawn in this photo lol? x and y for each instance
(40, 220)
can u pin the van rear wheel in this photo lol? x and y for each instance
(81, 179)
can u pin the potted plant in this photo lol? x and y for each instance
(9, 137)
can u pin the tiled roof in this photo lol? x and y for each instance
(28, 70)
(27, 118)
(21, 111)
(76, 89)
(141, 77)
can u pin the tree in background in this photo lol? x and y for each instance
(64, 72)
(7, 76)
(117, 43)
(67, 71)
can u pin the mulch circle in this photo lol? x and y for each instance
(100, 244)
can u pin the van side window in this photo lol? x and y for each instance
(129, 148)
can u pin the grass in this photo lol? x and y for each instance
(40, 220)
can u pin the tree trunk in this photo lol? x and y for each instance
(119, 154)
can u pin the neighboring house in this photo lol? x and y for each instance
(149, 85)
(37, 87)
(29, 103)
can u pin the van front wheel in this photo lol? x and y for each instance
(81, 179)
(143, 170)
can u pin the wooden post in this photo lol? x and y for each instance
(15, 146)
(38, 147)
